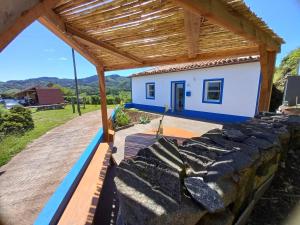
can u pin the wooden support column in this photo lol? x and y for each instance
(271, 70)
(101, 78)
(267, 63)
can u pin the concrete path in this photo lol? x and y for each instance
(32, 176)
(194, 126)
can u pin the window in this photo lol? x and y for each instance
(150, 90)
(212, 91)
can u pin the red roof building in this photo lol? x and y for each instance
(42, 95)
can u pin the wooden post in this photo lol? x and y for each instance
(76, 83)
(101, 78)
(267, 63)
(271, 70)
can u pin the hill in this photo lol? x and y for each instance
(88, 85)
(288, 66)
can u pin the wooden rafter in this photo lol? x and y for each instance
(57, 26)
(192, 23)
(184, 59)
(99, 43)
(16, 15)
(217, 12)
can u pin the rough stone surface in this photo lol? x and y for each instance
(206, 180)
(147, 202)
(222, 218)
(166, 151)
(159, 176)
(204, 194)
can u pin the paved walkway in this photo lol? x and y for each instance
(31, 177)
(194, 126)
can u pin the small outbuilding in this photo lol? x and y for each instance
(221, 90)
(41, 96)
(291, 95)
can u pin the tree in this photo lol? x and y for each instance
(288, 65)
(66, 91)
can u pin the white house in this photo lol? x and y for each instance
(224, 90)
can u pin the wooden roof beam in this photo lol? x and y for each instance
(102, 44)
(56, 25)
(217, 12)
(184, 59)
(192, 24)
(16, 15)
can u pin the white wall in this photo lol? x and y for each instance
(239, 92)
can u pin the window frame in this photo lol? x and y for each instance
(146, 88)
(204, 93)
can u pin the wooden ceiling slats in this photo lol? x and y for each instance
(148, 30)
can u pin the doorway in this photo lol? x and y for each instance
(177, 96)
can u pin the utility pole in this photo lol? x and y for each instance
(76, 83)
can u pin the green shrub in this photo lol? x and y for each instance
(144, 119)
(110, 100)
(125, 96)
(121, 117)
(16, 121)
(95, 99)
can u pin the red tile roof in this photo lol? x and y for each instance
(197, 65)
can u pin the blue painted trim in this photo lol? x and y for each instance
(221, 93)
(146, 85)
(149, 108)
(177, 82)
(198, 115)
(258, 94)
(131, 88)
(55, 206)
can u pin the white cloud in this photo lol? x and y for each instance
(49, 50)
(62, 58)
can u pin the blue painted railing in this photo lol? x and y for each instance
(55, 206)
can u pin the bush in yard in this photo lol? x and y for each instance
(95, 99)
(2, 112)
(110, 100)
(144, 119)
(125, 96)
(16, 121)
(121, 117)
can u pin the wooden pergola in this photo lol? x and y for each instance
(123, 34)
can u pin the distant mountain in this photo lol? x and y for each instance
(89, 85)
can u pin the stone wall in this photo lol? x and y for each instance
(214, 179)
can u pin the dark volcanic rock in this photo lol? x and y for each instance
(233, 135)
(207, 180)
(165, 151)
(160, 176)
(266, 149)
(218, 170)
(204, 194)
(196, 159)
(149, 193)
(237, 160)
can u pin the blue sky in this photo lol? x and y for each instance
(37, 52)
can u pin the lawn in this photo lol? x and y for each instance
(43, 122)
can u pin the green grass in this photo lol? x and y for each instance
(43, 122)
